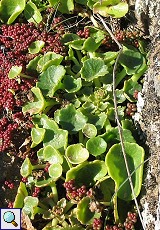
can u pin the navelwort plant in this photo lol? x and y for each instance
(80, 162)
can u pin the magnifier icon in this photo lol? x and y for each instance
(9, 217)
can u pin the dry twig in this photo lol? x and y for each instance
(117, 117)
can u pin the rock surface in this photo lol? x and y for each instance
(148, 16)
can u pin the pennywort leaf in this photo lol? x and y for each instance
(50, 79)
(96, 146)
(37, 135)
(9, 10)
(76, 153)
(93, 68)
(70, 118)
(117, 169)
(87, 173)
(14, 72)
(36, 47)
(30, 204)
(39, 104)
(31, 13)
(52, 155)
(48, 59)
(55, 171)
(84, 214)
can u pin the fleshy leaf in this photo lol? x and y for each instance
(129, 88)
(66, 6)
(14, 72)
(36, 47)
(76, 153)
(91, 45)
(30, 204)
(43, 183)
(117, 169)
(70, 118)
(96, 146)
(71, 84)
(111, 136)
(50, 79)
(131, 59)
(87, 173)
(32, 65)
(68, 37)
(21, 194)
(108, 56)
(49, 59)
(9, 10)
(89, 130)
(93, 68)
(57, 138)
(26, 168)
(55, 171)
(113, 9)
(39, 104)
(31, 13)
(108, 189)
(52, 155)
(84, 214)
(37, 135)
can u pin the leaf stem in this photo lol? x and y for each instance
(35, 167)
(120, 76)
(136, 76)
(54, 191)
(69, 205)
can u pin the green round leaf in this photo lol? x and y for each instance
(117, 169)
(21, 194)
(37, 105)
(44, 183)
(66, 6)
(14, 72)
(71, 84)
(118, 11)
(89, 130)
(84, 214)
(52, 155)
(36, 47)
(131, 60)
(40, 154)
(31, 13)
(96, 146)
(93, 68)
(87, 173)
(70, 118)
(26, 168)
(9, 10)
(129, 88)
(76, 153)
(113, 8)
(49, 59)
(30, 204)
(50, 79)
(55, 171)
(37, 135)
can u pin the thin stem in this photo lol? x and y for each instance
(69, 205)
(117, 116)
(25, 76)
(120, 76)
(34, 167)
(54, 192)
